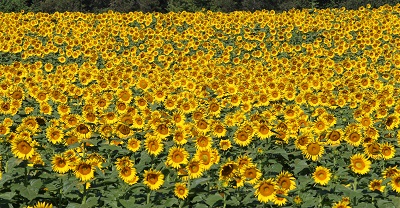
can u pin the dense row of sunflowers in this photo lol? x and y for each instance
(200, 109)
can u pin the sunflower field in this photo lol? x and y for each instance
(204, 109)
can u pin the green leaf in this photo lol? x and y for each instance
(36, 183)
(171, 201)
(200, 205)
(281, 152)
(7, 196)
(233, 201)
(299, 165)
(127, 203)
(212, 199)
(364, 205)
(90, 202)
(30, 192)
(277, 168)
(198, 181)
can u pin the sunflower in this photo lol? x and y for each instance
(202, 125)
(106, 130)
(43, 205)
(395, 183)
(4, 129)
(302, 140)
(177, 156)
(228, 170)
(205, 157)
(360, 164)
(22, 147)
(313, 150)
(30, 124)
(178, 118)
(153, 145)
(340, 205)
(242, 137)
(263, 131)
(392, 122)
(84, 170)
(390, 172)
(280, 198)
(133, 144)
(373, 150)
(218, 129)
(124, 95)
(225, 144)
(162, 131)
(320, 125)
(286, 181)
(265, 190)
(83, 131)
(153, 179)
(251, 174)
(123, 131)
(244, 160)
(60, 164)
(54, 134)
(128, 175)
(376, 185)
(123, 163)
(388, 151)
(334, 137)
(138, 122)
(203, 142)
(322, 175)
(353, 137)
(179, 136)
(181, 190)
(195, 168)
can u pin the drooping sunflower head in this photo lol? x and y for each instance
(228, 170)
(390, 172)
(373, 150)
(123, 162)
(280, 198)
(376, 185)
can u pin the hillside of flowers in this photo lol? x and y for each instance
(205, 109)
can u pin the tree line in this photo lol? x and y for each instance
(164, 6)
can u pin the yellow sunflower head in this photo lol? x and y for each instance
(360, 164)
(286, 181)
(265, 190)
(181, 191)
(153, 179)
(177, 156)
(322, 175)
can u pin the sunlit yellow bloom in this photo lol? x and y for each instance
(153, 179)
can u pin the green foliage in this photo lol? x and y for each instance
(182, 5)
(13, 5)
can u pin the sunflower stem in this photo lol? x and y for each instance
(26, 176)
(148, 197)
(224, 200)
(355, 184)
(84, 194)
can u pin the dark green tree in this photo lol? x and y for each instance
(13, 5)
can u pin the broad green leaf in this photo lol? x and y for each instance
(170, 202)
(199, 181)
(7, 196)
(90, 202)
(281, 152)
(212, 199)
(365, 205)
(200, 205)
(127, 203)
(299, 165)
(277, 168)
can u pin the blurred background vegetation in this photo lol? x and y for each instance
(97, 6)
